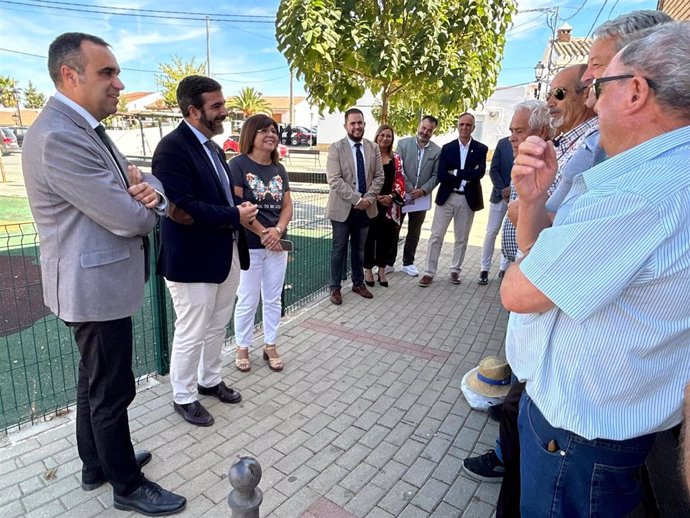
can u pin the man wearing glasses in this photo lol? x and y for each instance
(599, 325)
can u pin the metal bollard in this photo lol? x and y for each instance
(245, 497)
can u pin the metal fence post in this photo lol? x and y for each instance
(245, 497)
(160, 312)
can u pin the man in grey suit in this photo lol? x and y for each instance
(93, 211)
(420, 164)
(355, 177)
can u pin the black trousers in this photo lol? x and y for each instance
(105, 390)
(415, 220)
(381, 237)
(508, 505)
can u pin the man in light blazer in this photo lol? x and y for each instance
(93, 211)
(203, 246)
(420, 164)
(460, 168)
(355, 177)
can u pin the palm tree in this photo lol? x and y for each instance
(250, 102)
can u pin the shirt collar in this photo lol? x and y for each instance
(421, 147)
(352, 143)
(567, 139)
(465, 146)
(202, 138)
(77, 108)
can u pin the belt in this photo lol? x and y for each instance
(458, 192)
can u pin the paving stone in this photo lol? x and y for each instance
(326, 457)
(365, 500)
(461, 492)
(478, 509)
(398, 498)
(294, 460)
(328, 478)
(409, 452)
(445, 510)
(354, 456)
(389, 475)
(419, 472)
(430, 495)
(377, 512)
(359, 477)
(347, 438)
(319, 441)
(295, 481)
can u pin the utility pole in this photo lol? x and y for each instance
(292, 108)
(208, 47)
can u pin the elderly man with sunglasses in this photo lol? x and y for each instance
(599, 326)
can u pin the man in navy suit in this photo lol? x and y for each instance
(460, 168)
(202, 246)
(501, 165)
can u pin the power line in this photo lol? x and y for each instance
(249, 71)
(109, 11)
(575, 13)
(594, 23)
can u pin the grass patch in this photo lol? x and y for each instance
(14, 210)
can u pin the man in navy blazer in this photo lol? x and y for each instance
(501, 165)
(202, 246)
(461, 167)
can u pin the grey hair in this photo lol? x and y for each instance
(624, 28)
(663, 57)
(538, 113)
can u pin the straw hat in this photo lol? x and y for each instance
(491, 378)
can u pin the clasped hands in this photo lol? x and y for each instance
(534, 169)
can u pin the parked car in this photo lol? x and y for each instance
(19, 132)
(232, 144)
(8, 144)
(300, 135)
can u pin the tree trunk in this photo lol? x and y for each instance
(384, 106)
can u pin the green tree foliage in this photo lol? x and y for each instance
(33, 98)
(250, 102)
(432, 55)
(9, 91)
(172, 73)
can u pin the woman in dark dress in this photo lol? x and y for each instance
(382, 229)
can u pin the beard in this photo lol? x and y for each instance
(215, 126)
(556, 121)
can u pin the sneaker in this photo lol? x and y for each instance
(455, 278)
(410, 269)
(426, 281)
(390, 269)
(484, 468)
(501, 273)
(483, 278)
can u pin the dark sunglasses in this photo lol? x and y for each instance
(596, 83)
(558, 93)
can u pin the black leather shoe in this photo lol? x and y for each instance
(150, 499)
(483, 278)
(95, 479)
(221, 391)
(194, 413)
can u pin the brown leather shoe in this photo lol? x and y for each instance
(455, 278)
(426, 281)
(336, 298)
(362, 291)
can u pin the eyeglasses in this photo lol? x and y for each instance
(558, 93)
(596, 83)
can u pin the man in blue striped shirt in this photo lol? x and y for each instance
(600, 322)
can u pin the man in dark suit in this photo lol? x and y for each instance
(93, 211)
(355, 177)
(501, 164)
(460, 168)
(202, 246)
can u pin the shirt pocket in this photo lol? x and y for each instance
(103, 257)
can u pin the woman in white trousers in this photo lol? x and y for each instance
(259, 177)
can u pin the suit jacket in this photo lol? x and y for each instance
(475, 167)
(92, 257)
(202, 251)
(407, 149)
(499, 172)
(342, 179)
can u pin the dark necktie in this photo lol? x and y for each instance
(361, 177)
(100, 130)
(220, 171)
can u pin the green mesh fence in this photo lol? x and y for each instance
(38, 357)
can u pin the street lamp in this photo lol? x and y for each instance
(539, 75)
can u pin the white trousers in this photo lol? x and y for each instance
(496, 213)
(202, 311)
(265, 277)
(455, 209)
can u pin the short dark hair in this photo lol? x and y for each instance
(190, 90)
(66, 50)
(433, 120)
(352, 111)
(249, 130)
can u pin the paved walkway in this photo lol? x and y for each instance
(367, 419)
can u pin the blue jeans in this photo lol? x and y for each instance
(594, 479)
(353, 229)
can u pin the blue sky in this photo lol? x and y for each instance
(243, 53)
